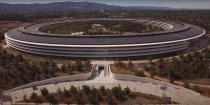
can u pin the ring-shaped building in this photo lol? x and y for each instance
(177, 36)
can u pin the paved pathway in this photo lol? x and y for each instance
(103, 78)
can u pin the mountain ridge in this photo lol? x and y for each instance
(65, 6)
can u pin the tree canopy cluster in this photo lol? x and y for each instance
(16, 71)
(89, 95)
(82, 96)
(190, 66)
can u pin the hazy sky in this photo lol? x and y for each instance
(200, 4)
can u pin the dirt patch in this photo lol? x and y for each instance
(7, 26)
(119, 70)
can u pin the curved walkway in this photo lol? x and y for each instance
(106, 78)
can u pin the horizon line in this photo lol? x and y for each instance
(178, 8)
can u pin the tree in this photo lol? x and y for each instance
(92, 99)
(127, 91)
(78, 65)
(186, 85)
(51, 99)
(78, 99)
(161, 63)
(118, 93)
(19, 58)
(109, 99)
(103, 90)
(122, 65)
(175, 74)
(1, 35)
(206, 53)
(182, 57)
(73, 90)
(66, 93)
(51, 70)
(44, 92)
(35, 98)
(86, 89)
(130, 65)
(63, 68)
(69, 68)
(92, 96)
(99, 96)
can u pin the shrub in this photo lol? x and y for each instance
(140, 73)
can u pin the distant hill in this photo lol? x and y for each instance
(65, 6)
